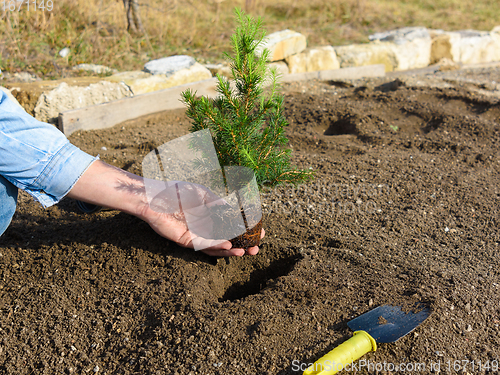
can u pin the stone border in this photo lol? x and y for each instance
(407, 50)
(106, 115)
(401, 49)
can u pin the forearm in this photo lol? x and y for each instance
(159, 203)
(108, 186)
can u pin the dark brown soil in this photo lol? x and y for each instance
(404, 209)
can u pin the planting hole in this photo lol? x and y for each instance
(342, 126)
(251, 276)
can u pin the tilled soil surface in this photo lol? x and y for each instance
(404, 209)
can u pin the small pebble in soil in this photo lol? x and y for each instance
(96, 369)
(467, 307)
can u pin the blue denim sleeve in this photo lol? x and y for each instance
(37, 157)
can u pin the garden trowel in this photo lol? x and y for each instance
(383, 324)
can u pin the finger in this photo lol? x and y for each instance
(262, 233)
(224, 253)
(252, 250)
(207, 244)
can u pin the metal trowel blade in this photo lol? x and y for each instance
(389, 323)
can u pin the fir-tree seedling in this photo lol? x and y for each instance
(247, 124)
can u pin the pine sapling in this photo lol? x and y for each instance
(247, 123)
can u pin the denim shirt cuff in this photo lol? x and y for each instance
(60, 175)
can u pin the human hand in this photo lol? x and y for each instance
(180, 211)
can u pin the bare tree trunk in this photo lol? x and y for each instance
(137, 17)
(133, 18)
(248, 5)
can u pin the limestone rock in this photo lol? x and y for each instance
(169, 65)
(196, 72)
(141, 82)
(411, 46)
(313, 59)
(225, 70)
(474, 47)
(446, 65)
(440, 48)
(282, 44)
(402, 35)
(222, 69)
(93, 68)
(28, 93)
(65, 97)
(466, 46)
(400, 49)
(367, 54)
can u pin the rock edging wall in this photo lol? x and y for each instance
(398, 50)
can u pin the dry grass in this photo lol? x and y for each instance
(95, 30)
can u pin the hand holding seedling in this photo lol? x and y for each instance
(108, 186)
(174, 202)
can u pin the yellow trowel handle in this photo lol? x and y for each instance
(346, 353)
